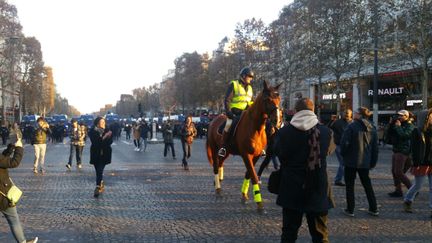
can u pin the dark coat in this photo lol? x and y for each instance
(359, 145)
(167, 134)
(6, 161)
(421, 141)
(338, 128)
(292, 148)
(403, 138)
(100, 149)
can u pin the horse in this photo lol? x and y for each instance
(249, 140)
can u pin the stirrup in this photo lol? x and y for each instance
(263, 153)
(222, 152)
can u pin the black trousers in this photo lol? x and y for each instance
(171, 145)
(292, 220)
(350, 176)
(99, 168)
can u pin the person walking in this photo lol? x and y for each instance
(77, 136)
(11, 158)
(144, 134)
(401, 149)
(338, 128)
(100, 151)
(4, 131)
(271, 132)
(127, 130)
(136, 135)
(188, 132)
(167, 133)
(39, 144)
(302, 147)
(422, 159)
(359, 149)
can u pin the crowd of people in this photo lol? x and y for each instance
(304, 185)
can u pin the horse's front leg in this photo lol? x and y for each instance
(216, 171)
(245, 187)
(250, 162)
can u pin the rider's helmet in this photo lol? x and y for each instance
(246, 71)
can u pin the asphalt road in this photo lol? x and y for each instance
(149, 198)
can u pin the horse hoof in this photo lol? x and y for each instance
(245, 198)
(260, 207)
(218, 191)
(261, 211)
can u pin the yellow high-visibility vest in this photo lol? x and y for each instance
(241, 97)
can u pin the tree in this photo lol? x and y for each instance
(10, 31)
(416, 23)
(189, 71)
(250, 46)
(31, 61)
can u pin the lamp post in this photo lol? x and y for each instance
(375, 77)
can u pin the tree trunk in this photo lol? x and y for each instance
(425, 83)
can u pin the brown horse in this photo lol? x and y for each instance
(249, 140)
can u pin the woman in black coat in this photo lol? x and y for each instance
(11, 158)
(100, 151)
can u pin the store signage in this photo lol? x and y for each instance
(333, 96)
(412, 102)
(388, 91)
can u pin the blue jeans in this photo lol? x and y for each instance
(11, 216)
(340, 172)
(78, 151)
(418, 182)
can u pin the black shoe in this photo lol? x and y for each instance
(373, 212)
(348, 213)
(339, 183)
(395, 194)
(68, 166)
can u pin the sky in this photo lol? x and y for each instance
(100, 49)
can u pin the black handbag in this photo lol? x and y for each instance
(274, 182)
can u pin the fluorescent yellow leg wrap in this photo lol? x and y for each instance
(257, 193)
(221, 175)
(245, 187)
(217, 182)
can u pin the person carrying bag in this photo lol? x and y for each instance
(11, 158)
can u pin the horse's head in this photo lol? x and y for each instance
(271, 100)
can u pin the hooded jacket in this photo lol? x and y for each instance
(359, 145)
(292, 148)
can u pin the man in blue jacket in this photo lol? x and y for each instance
(359, 148)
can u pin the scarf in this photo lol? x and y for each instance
(314, 154)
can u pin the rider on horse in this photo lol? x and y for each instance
(237, 99)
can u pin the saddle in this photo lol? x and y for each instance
(230, 145)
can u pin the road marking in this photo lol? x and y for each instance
(128, 143)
